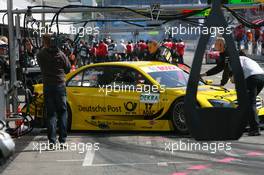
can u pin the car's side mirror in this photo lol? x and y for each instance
(208, 82)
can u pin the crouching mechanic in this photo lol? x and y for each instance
(54, 65)
(254, 76)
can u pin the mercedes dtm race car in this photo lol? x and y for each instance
(139, 96)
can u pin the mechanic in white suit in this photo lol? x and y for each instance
(254, 77)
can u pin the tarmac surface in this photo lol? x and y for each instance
(131, 153)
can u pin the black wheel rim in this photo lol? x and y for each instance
(178, 117)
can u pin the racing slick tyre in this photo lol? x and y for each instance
(178, 119)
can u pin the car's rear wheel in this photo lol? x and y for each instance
(178, 118)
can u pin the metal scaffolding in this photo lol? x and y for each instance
(165, 8)
(12, 49)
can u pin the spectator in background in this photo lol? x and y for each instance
(250, 41)
(129, 51)
(257, 37)
(180, 47)
(136, 50)
(83, 52)
(54, 65)
(108, 41)
(3, 39)
(102, 52)
(112, 50)
(93, 52)
(245, 42)
(168, 43)
(4, 61)
(28, 53)
(121, 50)
(238, 34)
(249, 36)
(257, 34)
(143, 49)
(72, 56)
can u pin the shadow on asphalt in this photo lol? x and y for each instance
(128, 133)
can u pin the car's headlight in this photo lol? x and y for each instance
(259, 102)
(221, 103)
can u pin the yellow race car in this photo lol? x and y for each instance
(140, 96)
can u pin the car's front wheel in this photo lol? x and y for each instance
(178, 118)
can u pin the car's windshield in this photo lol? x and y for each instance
(171, 78)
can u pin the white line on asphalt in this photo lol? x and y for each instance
(133, 164)
(126, 164)
(71, 160)
(232, 154)
(162, 163)
(148, 142)
(89, 157)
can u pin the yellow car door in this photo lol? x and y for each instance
(129, 95)
(85, 98)
(122, 99)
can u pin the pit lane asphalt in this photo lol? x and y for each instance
(137, 153)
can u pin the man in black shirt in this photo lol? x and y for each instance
(222, 63)
(54, 65)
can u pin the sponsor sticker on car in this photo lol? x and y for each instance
(149, 97)
(160, 68)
